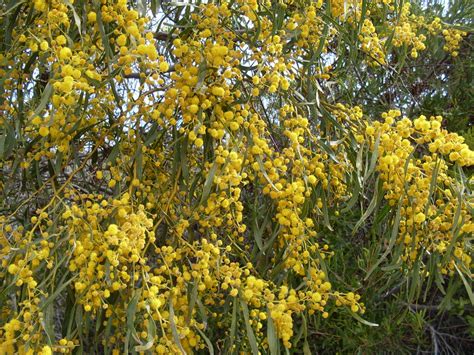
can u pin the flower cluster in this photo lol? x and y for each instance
(413, 160)
(168, 190)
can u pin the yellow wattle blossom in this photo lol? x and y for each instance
(186, 177)
(65, 53)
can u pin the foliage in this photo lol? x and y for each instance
(235, 176)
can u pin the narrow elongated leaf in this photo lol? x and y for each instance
(208, 184)
(206, 339)
(363, 321)
(467, 285)
(250, 334)
(174, 329)
(47, 93)
(369, 210)
(272, 337)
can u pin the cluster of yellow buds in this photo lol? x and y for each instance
(420, 185)
(453, 38)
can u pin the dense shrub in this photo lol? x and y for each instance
(235, 176)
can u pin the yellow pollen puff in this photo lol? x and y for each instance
(228, 115)
(199, 142)
(43, 131)
(420, 217)
(65, 53)
(234, 126)
(33, 46)
(113, 229)
(12, 269)
(156, 303)
(44, 45)
(218, 91)
(121, 40)
(61, 40)
(36, 120)
(122, 213)
(91, 16)
(206, 33)
(27, 316)
(193, 108)
(316, 297)
(219, 50)
(164, 67)
(133, 30)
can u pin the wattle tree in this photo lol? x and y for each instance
(236, 176)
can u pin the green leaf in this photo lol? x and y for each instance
(131, 311)
(258, 232)
(278, 19)
(373, 160)
(362, 320)
(113, 153)
(272, 337)
(466, 284)
(105, 40)
(206, 190)
(202, 312)
(7, 140)
(151, 330)
(192, 298)
(353, 200)
(152, 135)
(393, 238)
(139, 160)
(258, 30)
(454, 229)
(326, 212)
(414, 280)
(250, 335)
(174, 329)
(264, 173)
(233, 324)
(56, 292)
(306, 349)
(206, 339)
(154, 6)
(47, 93)
(77, 19)
(370, 208)
(202, 71)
